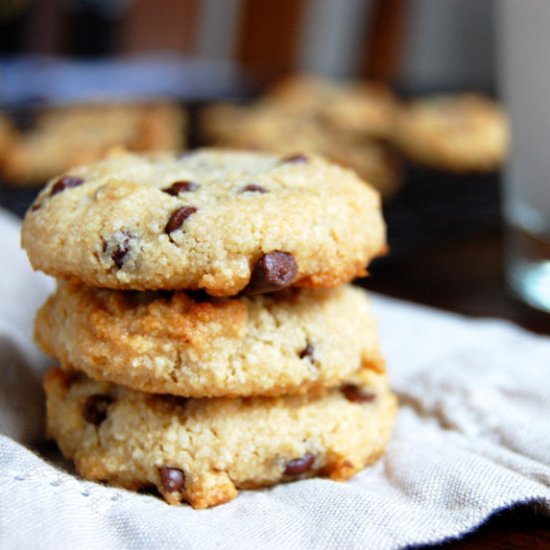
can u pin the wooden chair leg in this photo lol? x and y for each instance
(269, 36)
(384, 40)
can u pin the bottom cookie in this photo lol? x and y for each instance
(203, 450)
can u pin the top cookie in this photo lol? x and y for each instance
(216, 220)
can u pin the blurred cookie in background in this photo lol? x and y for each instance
(375, 161)
(64, 137)
(459, 133)
(262, 126)
(365, 109)
(305, 114)
(248, 126)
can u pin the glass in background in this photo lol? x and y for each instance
(524, 77)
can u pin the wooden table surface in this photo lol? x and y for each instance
(467, 277)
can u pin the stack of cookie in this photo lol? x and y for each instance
(206, 337)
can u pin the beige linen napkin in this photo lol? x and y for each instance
(472, 437)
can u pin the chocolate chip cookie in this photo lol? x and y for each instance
(67, 136)
(203, 450)
(358, 108)
(268, 127)
(184, 344)
(459, 133)
(216, 220)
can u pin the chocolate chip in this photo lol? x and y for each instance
(172, 479)
(64, 183)
(272, 271)
(307, 352)
(178, 217)
(300, 466)
(355, 394)
(253, 188)
(118, 246)
(120, 252)
(95, 408)
(295, 158)
(181, 187)
(36, 207)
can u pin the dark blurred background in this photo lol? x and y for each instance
(418, 45)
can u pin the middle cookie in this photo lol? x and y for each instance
(182, 344)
